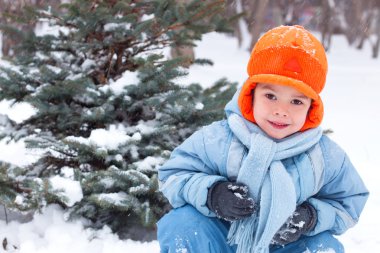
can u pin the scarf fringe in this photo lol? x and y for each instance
(241, 235)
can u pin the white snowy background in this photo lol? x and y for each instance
(352, 111)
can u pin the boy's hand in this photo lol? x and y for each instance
(228, 200)
(302, 221)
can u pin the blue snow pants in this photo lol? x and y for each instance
(186, 230)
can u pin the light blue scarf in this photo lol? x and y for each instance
(268, 182)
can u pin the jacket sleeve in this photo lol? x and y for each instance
(343, 195)
(194, 166)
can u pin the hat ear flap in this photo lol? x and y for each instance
(315, 115)
(245, 100)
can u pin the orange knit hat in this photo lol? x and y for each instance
(292, 56)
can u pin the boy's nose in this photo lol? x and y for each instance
(281, 112)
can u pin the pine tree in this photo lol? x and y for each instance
(108, 106)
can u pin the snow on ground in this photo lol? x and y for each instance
(351, 111)
(49, 233)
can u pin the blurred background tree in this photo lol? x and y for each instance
(9, 9)
(358, 21)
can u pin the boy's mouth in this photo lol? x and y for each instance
(278, 125)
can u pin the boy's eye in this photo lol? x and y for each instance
(297, 102)
(270, 96)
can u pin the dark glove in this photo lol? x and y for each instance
(229, 201)
(302, 221)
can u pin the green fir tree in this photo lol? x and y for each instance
(109, 108)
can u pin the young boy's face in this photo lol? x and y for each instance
(279, 110)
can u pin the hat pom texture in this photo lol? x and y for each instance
(291, 56)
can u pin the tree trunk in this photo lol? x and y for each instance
(258, 20)
(187, 52)
(15, 8)
(327, 22)
(376, 45)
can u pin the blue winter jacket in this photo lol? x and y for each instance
(214, 154)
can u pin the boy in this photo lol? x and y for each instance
(266, 179)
